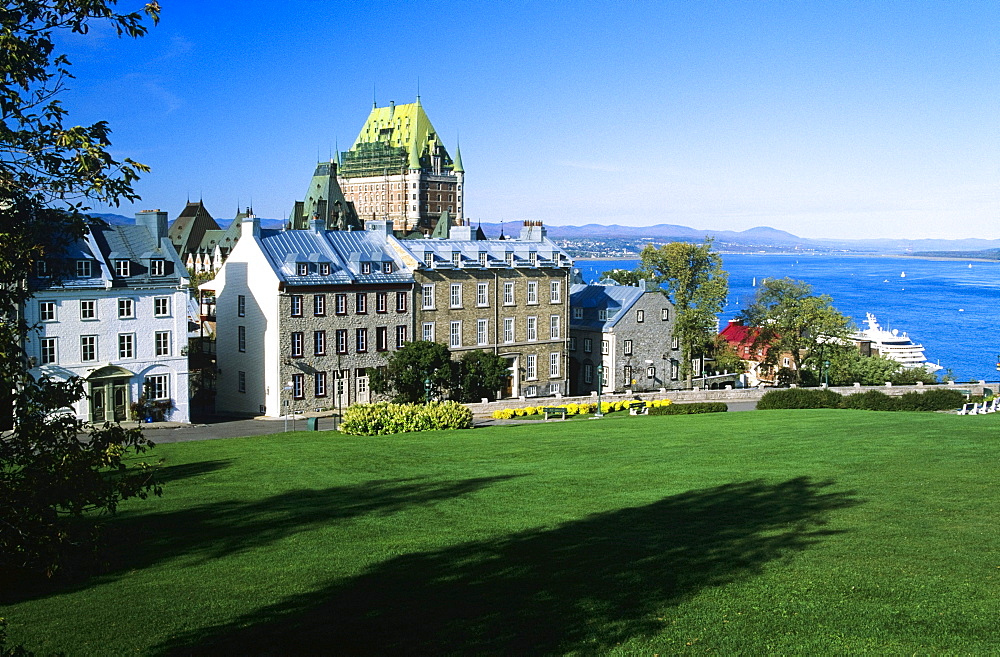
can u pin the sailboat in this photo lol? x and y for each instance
(902, 274)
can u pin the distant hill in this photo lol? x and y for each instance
(987, 254)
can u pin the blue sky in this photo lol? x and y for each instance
(825, 119)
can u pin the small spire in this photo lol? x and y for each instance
(457, 162)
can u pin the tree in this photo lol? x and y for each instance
(407, 369)
(50, 479)
(623, 276)
(481, 374)
(697, 286)
(791, 320)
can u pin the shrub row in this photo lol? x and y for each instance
(575, 409)
(690, 409)
(387, 418)
(872, 400)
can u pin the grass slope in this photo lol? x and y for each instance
(831, 532)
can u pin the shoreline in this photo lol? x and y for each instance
(902, 256)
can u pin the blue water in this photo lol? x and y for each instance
(946, 306)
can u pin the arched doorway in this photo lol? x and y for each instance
(110, 392)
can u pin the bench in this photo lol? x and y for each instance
(638, 408)
(554, 410)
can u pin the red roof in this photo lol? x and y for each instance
(742, 339)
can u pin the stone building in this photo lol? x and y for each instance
(112, 309)
(628, 330)
(399, 169)
(506, 296)
(301, 314)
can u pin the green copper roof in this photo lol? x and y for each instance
(393, 138)
(442, 230)
(458, 168)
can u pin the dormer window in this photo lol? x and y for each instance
(302, 268)
(83, 269)
(324, 269)
(533, 258)
(578, 313)
(42, 269)
(429, 259)
(509, 257)
(482, 258)
(602, 315)
(122, 268)
(157, 267)
(366, 268)
(456, 259)
(387, 267)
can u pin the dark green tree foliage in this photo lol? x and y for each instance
(791, 320)
(481, 374)
(623, 276)
(697, 286)
(406, 370)
(49, 478)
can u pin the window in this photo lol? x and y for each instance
(456, 295)
(341, 337)
(429, 259)
(381, 338)
(122, 268)
(532, 329)
(554, 331)
(42, 269)
(532, 292)
(428, 332)
(674, 370)
(126, 345)
(296, 343)
(785, 362)
(627, 374)
(302, 268)
(47, 311)
(572, 343)
(88, 309)
(483, 294)
(361, 303)
(508, 329)
(482, 258)
(161, 343)
(319, 305)
(508, 294)
(602, 314)
(241, 306)
(455, 335)
(401, 302)
(387, 267)
(675, 343)
(241, 382)
(126, 308)
(84, 269)
(588, 345)
(650, 372)
(428, 297)
(627, 346)
(157, 386)
(361, 340)
(578, 313)
(665, 314)
(482, 331)
(605, 347)
(340, 304)
(241, 338)
(319, 343)
(382, 302)
(296, 305)
(456, 259)
(366, 268)
(298, 386)
(588, 373)
(531, 367)
(554, 364)
(603, 373)
(640, 316)
(319, 384)
(533, 258)
(157, 267)
(400, 336)
(88, 348)
(508, 257)
(48, 350)
(324, 269)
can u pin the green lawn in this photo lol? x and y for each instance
(803, 532)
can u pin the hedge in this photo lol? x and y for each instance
(386, 418)
(871, 400)
(689, 409)
(799, 398)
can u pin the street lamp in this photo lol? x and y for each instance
(600, 386)
(826, 373)
(427, 391)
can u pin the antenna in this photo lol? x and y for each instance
(418, 88)
(374, 102)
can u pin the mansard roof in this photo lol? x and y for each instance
(395, 137)
(613, 298)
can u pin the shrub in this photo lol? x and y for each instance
(872, 400)
(932, 400)
(386, 418)
(689, 409)
(798, 398)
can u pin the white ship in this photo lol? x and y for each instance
(895, 345)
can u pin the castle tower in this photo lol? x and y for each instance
(325, 200)
(398, 169)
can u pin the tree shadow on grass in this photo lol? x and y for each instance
(219, 529)
(583, 586)
(168, 473)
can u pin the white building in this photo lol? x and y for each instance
(113, 311)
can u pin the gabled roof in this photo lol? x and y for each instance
(188, 229)
(615, 299)
(742, 339)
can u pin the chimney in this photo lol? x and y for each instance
(317, 225)
(155, 222)
(532, 231)
(250, 227)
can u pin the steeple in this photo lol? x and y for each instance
(457, 167)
